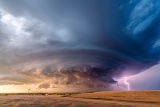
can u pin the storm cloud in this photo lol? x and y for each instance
(88, 43)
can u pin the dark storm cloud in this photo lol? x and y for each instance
(81, 42)
(87, 68)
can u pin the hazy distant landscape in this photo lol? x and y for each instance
(96, 99)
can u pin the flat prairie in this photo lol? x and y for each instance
(96, 99)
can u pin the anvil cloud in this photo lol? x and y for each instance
(77, 43)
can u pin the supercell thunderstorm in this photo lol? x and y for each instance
(79, 42)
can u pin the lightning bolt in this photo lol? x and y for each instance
(125, 81)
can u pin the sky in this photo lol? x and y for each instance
(79, 45)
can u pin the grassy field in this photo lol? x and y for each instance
(96, 99)
(127, 96)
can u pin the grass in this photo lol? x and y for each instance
(128, 96)
(95, 99)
